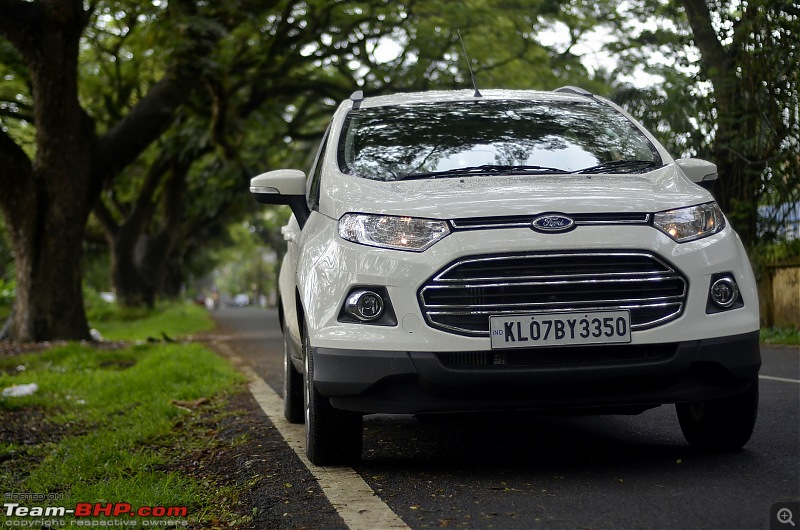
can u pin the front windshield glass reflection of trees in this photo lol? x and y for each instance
(390, 143)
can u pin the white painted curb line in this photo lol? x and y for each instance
(349, 494)
(781, 379)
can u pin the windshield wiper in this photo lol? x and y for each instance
(621, 166)
(486, 169)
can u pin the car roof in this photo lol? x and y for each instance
(436, 96)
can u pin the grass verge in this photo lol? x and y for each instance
(115, 424)
(789, 336)
(170, 320)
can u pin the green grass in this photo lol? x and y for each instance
(790, 336)
(174, 320)
(120, 437)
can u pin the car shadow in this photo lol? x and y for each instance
(648, 442)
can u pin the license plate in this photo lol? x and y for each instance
(532, 330)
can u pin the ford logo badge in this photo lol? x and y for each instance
(553, 223)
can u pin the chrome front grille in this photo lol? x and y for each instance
(460, 298)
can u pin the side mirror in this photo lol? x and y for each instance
(701, 172)
(283, 186)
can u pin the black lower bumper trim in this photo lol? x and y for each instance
(419, 382)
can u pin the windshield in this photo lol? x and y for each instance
(490, 137)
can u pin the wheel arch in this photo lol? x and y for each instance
(281, 316)
(301, 314)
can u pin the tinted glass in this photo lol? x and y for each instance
(392, 142)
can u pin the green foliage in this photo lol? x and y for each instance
(787, 336)
(119, 60)
(16, 102)
(246, 266)
(7, 294)
(97, 309)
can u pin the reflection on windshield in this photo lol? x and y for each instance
(389, 143)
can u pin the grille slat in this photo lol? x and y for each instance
(460, 298)
(558, 357)
(551, 266)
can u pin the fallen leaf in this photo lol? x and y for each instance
(193, 404)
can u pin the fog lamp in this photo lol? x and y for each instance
(364, 305)
(724, 292)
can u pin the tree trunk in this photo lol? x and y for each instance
(133, 286)
(141, 270)
(174, 281)
(141, 262)
(48, 215)
(49, 300)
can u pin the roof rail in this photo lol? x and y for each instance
(357, 97)
(575, 90)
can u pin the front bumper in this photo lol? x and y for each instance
(426, 382)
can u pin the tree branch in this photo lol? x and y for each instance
(145, 206)
(155, 112)
(103, 214)
(713, 56)
(145, 122)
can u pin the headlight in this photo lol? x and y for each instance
(688, 224)
(387, 231)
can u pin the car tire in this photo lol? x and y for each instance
(721, 424)
(293, 404)
(333, 436)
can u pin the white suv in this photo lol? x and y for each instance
(508, 251)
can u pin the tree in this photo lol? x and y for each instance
(731, 83)
(50, 191)
(755, 81)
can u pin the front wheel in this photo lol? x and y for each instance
(720, 424)
(333, 436)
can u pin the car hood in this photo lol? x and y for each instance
(485, 196)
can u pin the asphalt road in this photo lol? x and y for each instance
(565, 472)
